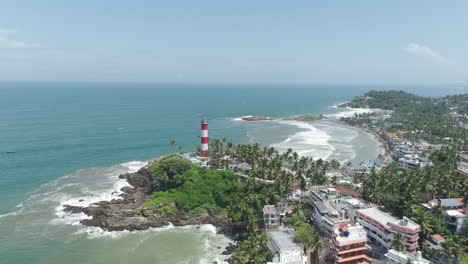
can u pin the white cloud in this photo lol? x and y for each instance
(7, 42)
(421, 50)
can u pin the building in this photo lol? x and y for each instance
(348, 192)
(273, 215)
(349, 243)
(397, 257)
(245, 167)
(332, 210)
(412, 162)
(326, 217)
(281, 245)
(435, 252)
(455, 220)
(381, 227)
(455, 212)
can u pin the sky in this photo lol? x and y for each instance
(252, 41)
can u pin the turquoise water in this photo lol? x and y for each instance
(73, 139)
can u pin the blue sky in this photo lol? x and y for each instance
(256, 41)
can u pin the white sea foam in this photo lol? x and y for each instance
(93, 232)
(240, 118)
(350, 112)
(312, 142)
(106, 188)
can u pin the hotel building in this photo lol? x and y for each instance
(381, 227)
(350, 244)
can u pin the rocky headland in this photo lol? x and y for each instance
(128, 213)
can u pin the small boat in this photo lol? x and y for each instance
(10, 151)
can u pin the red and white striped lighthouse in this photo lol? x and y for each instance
(204, 137)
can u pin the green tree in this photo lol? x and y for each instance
(398, 242)
(253, 250)
(453, 247)
(310, 239)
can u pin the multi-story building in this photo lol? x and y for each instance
(272, 215)
(331, 210)
(381, 227)
(455, 212)
(412, 162)
(349, 243)
(326, 217)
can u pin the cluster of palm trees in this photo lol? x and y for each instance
(286, 169)
(423, 117)
(267, 163)
(252, 250)
(412, 186)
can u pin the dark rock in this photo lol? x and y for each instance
(127, 213)
(146, 213)
(229, 249)
(72, 209)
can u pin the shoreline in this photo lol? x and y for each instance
(309, 119)
(383, 143)
(127, 213)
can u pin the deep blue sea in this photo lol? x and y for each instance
(73, 139)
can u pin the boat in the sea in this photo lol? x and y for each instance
(10, 151)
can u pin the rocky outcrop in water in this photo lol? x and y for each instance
(128, 213)
(256, 118)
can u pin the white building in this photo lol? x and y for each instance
(397, 257)
(350, 244)
(412, 162)
(381, 227)
(245, 167)
(326, 217)
(284, 250)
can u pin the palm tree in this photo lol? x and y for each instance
(317, 245)
(305, 235)
(438, 211)
(452, 247)
(398, 242)
(424, 220)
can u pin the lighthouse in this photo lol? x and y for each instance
(204, 137)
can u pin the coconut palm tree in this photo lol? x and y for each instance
(398, 242)
(317, 245)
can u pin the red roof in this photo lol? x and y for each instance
(347, 192)
(437, 237)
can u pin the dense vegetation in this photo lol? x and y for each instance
(181, 187)
(425, 118)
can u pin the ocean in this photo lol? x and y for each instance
(72, 140)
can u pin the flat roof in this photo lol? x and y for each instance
(454, 213)
(385, 218)
(452, 202)
(283, 240)
(356, 234)
(269, 209)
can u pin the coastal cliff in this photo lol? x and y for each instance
(129, 213)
